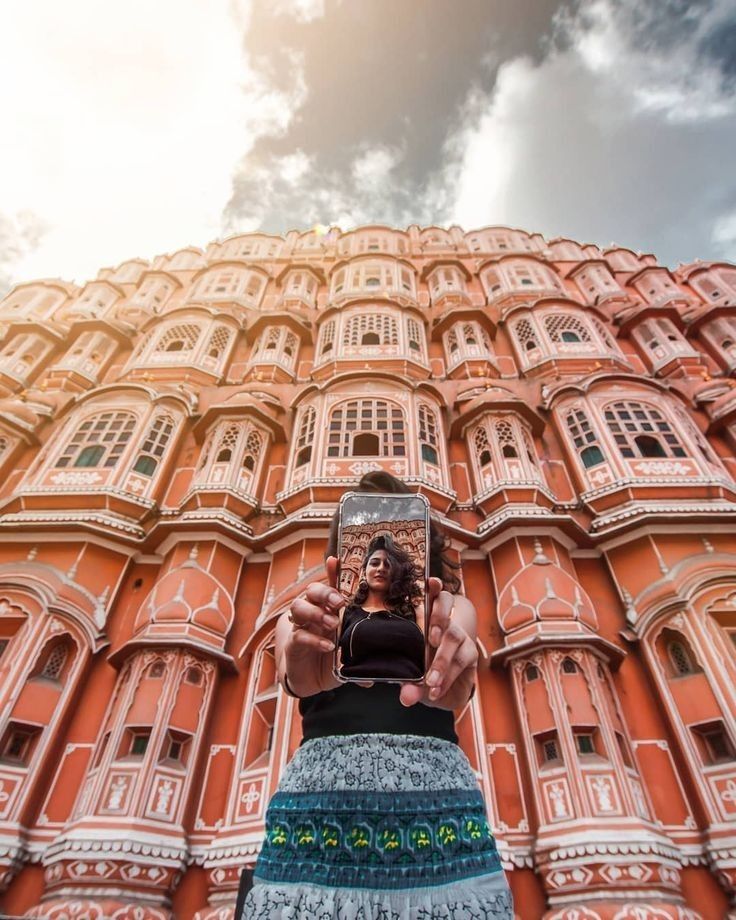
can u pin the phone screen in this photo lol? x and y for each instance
(383, 550)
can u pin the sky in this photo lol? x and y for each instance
(132, 128)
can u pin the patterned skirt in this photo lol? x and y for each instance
(364, 827)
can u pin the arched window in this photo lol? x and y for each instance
(504, 450)
(640, 430)
(482, 447)
(428, 439)
(596, 281)
(526, 335)
(253, 445)
(156, 670)
(414, 336)
(154, 445)
(531, 673)
(444, 281)
(153, 293)
(328, 338)
(226, 445)
(569, 666)
(584, 438)
(351, 421)
(99, 440)
(278, 345)
(218, 342)
(305, 438)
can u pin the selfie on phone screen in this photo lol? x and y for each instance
(383, 560)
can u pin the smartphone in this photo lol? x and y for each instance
(383, 571)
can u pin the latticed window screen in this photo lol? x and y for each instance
(305, 438)
(603, 332)
(99, 441)
(584, 438)
(506, 439)
(371, 329)
(290, 345)
(428, 434)
(54, 664)
(526, 335)
(681, 660)
(367, 427)
(182, 337)
(218, 341)
(561, 327)
(451, 340)
(4, 444)
(470, 334)
(640, 430)
(153, 447)
(227, 443)
(270, 340)
(414, 332)
(328, 338)
(253, 444)
(482, 446)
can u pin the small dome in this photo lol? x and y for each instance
(542, 591)
(188, 601)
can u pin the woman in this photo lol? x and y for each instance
(378, 815)
(380, 632)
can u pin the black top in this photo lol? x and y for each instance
(380, 644)
(350, 710)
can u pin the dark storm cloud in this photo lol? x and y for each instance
(604, 120)
(379, 74)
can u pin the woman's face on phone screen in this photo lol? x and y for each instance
(378, 571)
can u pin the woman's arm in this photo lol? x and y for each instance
(304, 646)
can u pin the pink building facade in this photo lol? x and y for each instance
(174, 436)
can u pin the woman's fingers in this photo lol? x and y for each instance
(314, 617)
(442, 602)
(455, 659)
(333, 570)
(308, 639)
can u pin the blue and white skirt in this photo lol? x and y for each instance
(364, 827)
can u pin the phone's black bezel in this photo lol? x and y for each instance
(401, 496)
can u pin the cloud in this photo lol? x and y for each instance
(301, 10)
(128, 120)
(20, 234)
(616, 134)
(276, 194)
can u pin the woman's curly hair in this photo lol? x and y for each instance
(405, 577)
(440, 566)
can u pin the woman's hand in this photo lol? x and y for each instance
(305, 638)
(454, 666)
